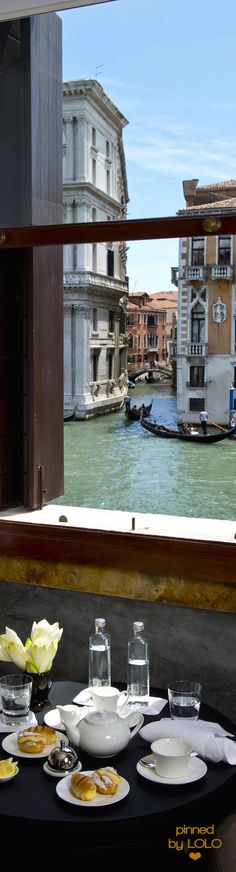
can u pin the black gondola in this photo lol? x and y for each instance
(201, 438)
(70, 416)
(134, 413)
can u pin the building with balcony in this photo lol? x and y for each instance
(206, 341)
(149, 327)
(95, 282)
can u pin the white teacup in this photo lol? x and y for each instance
(108, 698)
(171, 757)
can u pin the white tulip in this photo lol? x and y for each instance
(39, 650)
(11, 648)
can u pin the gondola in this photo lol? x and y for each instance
(201, 438)
(70, 416)
(133, 414)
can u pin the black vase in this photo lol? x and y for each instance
(42, 684)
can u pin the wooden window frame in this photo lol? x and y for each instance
(182, 557)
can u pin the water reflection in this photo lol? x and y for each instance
(114, 464)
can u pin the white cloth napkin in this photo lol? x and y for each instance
(154, 706)
(84, 697)
(30, 722)
(207, 739)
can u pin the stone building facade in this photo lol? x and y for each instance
(95, 282)
(206, 336)
(149, 327)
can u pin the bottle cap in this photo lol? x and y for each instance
(138, 626)
(99, 622)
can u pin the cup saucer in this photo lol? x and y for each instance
(197, 768)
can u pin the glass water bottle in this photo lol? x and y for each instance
(99, 655)
(138, 667)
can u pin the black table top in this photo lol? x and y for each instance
(31, 796)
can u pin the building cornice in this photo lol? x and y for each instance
(93, 91)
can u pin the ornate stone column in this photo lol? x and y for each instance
(68, 249)
(69, 175)
(81, 351)
(67, 351)
(117, 316)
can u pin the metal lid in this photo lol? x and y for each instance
(63, 758)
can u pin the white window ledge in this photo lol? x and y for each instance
(200, 529)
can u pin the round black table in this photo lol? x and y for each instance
(148, 815)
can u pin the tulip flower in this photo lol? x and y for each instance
(38, 653)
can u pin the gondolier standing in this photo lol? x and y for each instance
(203, 417)
(127, 400)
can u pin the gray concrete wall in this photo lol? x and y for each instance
(184, 642)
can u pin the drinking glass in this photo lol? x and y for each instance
(184, 699)
(15, 693)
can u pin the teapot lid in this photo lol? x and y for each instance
(102, 717)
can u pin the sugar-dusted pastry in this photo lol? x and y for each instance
(47, 734)
(106, 780)
(30, 743)
(83, 786)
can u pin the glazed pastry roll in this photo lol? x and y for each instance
(83, 787)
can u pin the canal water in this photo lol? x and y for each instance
(111, 463)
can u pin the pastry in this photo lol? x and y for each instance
(30, 744)
(47, 735)
(106, 780)
(83, 786)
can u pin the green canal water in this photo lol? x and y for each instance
(113, 464)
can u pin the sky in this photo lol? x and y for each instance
(168, 65)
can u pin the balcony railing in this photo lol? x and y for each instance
(194, 273)
(221, 272)
(196, 349)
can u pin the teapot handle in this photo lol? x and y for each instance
(137, 726)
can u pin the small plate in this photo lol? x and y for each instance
(9, 777)
(52, 719)
(196, 769)
(63, 791)
(10, 745)
(54, 774)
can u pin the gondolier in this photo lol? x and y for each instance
(203, 417)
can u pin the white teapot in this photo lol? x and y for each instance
(104, 733)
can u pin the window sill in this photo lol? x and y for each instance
(193, 548)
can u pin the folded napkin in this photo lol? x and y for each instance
(84, 697)
(29, 722)
(207, 739)
(154, 705)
